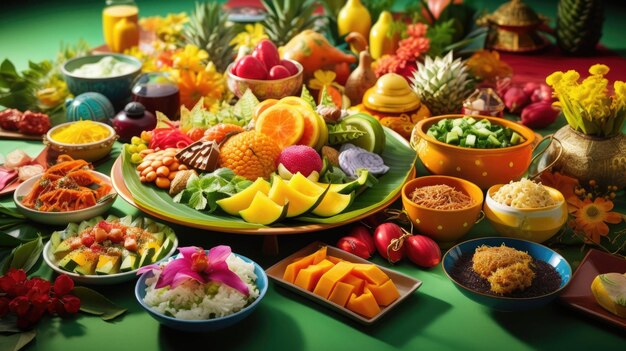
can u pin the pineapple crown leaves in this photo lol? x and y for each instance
(442, 82)
(441, 74)
(287, 18)
(208, 29)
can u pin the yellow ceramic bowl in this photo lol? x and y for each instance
(89, 152)
(483, 167)
(444, 226)
(536, 224)
(266, 89)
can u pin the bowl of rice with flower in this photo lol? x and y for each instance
(441, 207)
(201, 290)
(526, 210)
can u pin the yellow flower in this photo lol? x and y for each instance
(571, 76)
(176, 19)
(323, 79)
(151, 24)
(190, 58)
(207, 84)
(252, 35)
(554, 78)
(590, 217)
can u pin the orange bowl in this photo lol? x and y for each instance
(444, 226)
(483, 167)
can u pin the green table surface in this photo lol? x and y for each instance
(436, 317)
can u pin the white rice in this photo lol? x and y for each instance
(190, 300)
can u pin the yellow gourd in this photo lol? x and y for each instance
(125, 35)
(354, 17)
(382, 41)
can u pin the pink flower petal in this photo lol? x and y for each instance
(231, 279)
(170, 270)
(150, 267)
(188, 251)
(218, 254)
(184, 276)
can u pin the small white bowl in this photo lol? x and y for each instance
(61, 218)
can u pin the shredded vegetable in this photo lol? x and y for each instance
(163, 138)
(81, 132)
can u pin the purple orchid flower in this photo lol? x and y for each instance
(197, 265)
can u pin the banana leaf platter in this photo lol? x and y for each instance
(398, 155)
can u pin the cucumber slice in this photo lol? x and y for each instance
(470, 141)
(374, 138)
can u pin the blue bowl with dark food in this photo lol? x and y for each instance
(198, 325)
(506, 272)
(108, 74)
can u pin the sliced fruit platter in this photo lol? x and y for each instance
(108, 251)
(293, 163)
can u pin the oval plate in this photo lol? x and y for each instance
(398, 154)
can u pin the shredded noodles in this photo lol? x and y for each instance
(524, 194)
(441, 197)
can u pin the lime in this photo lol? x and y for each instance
(374, 138)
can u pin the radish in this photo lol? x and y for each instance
(422, 250)
(354, 246)
(387, 240)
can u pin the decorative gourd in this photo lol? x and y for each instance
(354, 17)
(313, 52)
(382, 41)
(361, 79)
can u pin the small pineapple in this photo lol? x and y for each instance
(579, 25)
(442, 84)
(208, 29)
(287, 18)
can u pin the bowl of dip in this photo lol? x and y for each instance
(108, 74)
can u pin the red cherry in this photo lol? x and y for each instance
(290, 66)
(266, 52)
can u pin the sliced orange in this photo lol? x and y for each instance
(282, 123)
(294, 100)
(311, 133)
(262, 106)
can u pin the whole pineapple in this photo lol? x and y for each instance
(287, 18)
(442, 84)
(579, 25)
(208, 30)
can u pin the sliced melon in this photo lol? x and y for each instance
(299, 203)
(349, 187)
(333, 203)
(263, 210)
(232, 205)
(306, 186)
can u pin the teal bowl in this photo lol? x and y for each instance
(117, 88)
(208, 325)
(503, 303)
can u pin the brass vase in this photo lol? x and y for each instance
(588, 157)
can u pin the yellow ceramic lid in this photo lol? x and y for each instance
(391, 94)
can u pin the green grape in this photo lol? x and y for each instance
(136, 158)
(132, 149)
(135, 140)
(141, 147)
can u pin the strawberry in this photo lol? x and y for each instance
(278, 72)
(266, 52)
(251, 68)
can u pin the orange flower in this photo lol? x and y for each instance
(590, 217)
(207, 84)
(565, 184)
(486, 65)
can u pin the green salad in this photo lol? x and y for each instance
(472, 133)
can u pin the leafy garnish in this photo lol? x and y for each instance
(441, 36)
(244, 108)
(334, 175)
(199, 117)
(326, 99)
(306, 96)
(93, 302)
(23, 256)
(341, 133)
(205, 190)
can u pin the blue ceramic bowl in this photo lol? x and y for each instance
(89, 106)
(209, 324)
(116, 89)
(502, 303)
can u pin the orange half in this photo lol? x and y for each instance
(262, 106)
(283, 123)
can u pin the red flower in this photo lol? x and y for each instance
(20, 306)
(4, 306)
(63, 285)
(71, 303)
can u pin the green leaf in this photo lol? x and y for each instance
(93, 302)
(24, 256)
(441, 36)
(198, 201)
(334, 175)
(14, 342)
(244, 108)
(306, 96)
(326, 99)
(341, 133)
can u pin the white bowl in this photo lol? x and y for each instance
(108, 279)
(60, 218)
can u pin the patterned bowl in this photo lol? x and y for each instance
(444, 226)
(116, 89)
(93, 106)
(266, 89)
(89, 152)
(534, 224)
(483, 167)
